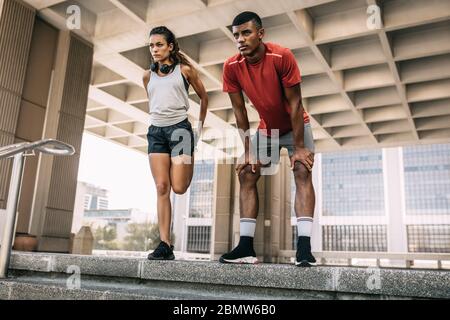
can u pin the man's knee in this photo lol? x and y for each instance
(301, 173)
(247, 177)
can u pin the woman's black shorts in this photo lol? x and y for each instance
(175, 140)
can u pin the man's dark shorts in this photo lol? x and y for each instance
(175, 140)
(262, 145)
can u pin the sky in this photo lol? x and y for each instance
(123, 172)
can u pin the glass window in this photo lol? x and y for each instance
(429, 238)
(354, 238)
(353, 183)
(427, 179)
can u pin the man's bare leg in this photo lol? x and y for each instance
(304, 209)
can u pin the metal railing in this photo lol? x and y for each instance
(18, 151)
(286, 256)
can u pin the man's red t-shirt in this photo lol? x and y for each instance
(263, 84)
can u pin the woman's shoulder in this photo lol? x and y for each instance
(146, 74)
(187, 70)
(146, 77)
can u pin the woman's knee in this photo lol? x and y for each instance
(163, 188)
(179, 188)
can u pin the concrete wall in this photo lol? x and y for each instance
(15, 42)
(44, 83)
(180, 207)
(53, 201)
(33, 108)
(78, 210)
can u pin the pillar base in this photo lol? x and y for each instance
(25, 242)
(53, 244)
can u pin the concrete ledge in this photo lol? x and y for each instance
(262, 275)
(11, 290)
(91, 265)
(25, 285)
(339, 280)
(409, 283)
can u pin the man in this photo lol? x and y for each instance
(270, 77)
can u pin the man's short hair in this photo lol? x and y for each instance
(247, 16)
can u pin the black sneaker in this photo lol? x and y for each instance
(304, 256)
(243, 253)
(162, 252)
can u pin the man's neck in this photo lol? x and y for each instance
(259, 54)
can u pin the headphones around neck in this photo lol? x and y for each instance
(164, 68)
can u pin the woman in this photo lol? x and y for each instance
(170, 136)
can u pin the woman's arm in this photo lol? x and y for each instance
(146, 80)
(193, 78)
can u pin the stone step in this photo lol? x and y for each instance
(37, 285)
(225, 281)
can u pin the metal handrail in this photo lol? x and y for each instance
(17, 151)
(61, 148)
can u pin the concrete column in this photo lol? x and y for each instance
(394, 199)
(16, 29)
(222, 208)
(279, 213)
(53, 202)
(83, 242)
(180, 214)
(31, 119)
(272, 203)
(78, 210)
(260, 221)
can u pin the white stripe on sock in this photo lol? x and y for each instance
(248, 227)
(304, 226)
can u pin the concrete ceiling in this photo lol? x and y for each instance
(363, 87)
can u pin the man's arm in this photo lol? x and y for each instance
(238, 103)
(294, 97)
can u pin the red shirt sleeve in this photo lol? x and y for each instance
(230, 82)
(290, 72)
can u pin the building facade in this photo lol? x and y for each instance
(389, 200)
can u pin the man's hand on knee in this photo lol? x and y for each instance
(303, 156)
(245, 160)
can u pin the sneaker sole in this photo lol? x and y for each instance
(244, 260)
(161, 259)
(305, 263)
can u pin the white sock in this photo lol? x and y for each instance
(248, 227)
(304, 226)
